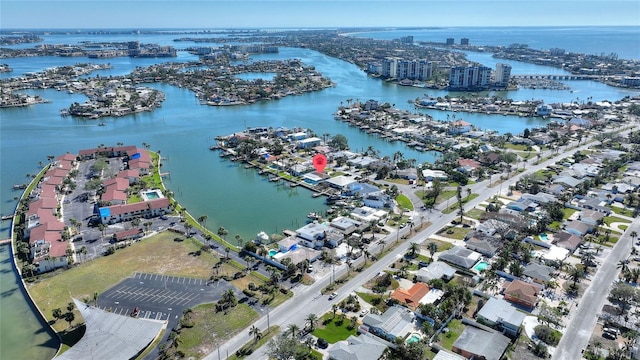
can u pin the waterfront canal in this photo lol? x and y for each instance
(230, 195)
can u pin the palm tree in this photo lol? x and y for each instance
(222, 232)
(292, 330)
(256, 333)
(187, 229)
(413, 248)
(312, 321)
(202, 220)
(433, 248)
(623, 266)
(334, 309)
(575, 274)
(633, 235)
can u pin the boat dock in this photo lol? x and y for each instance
(5, 241)
(7, 217)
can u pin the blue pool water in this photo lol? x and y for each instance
(482, 265)
(413, 338)
(543, 237)
(152, 195)
(273, 252)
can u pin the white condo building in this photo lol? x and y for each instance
(470, 77)
(503, 74)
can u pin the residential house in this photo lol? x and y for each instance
(435, 270)
(484, 244)
(396, 322)
(567, 240)
(411, 297)
(538, 273)
(500, 314)
(308, 143)
(591, 217)
(345, 225)
(357, 348)
(568, 181)
(460, 257)
(468, 166)
(522, 204)
(459, 127)
(446, 355)
(368, 215)
(577, 227)
(431, 175)
(477, 343)
(341, 182)
(594, 204)
(313, 235)
(491, 226)
(522, 293)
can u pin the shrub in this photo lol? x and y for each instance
(548, 335)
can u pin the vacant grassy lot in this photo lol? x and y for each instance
(335, 329)
(404, 202)
(454, 232)
(159, 254)
(211, 327)
(455, 329)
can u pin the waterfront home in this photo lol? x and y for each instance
(411, 297)
(308, 143)
(500, 314)
(459, 127)
(544, 110)
(481, 343)
(127, 212)
(47, 249)
(435, 270)
(345, 225)
(357, 348)
(312, 235)
(341, 182)
(522, 293)
(368, 215)
(396, 322)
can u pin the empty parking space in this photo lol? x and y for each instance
(160, 297)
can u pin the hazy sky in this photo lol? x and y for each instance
(313, 13)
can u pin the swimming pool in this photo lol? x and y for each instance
(543, 237)
(413, 338)
(481, 265)
(273, 252)
(152, 195)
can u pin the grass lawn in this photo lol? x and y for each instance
(454, 232)
(211, 327)
(622, 211)
(158, 254)
(611, 219)
(442, 245)
(252, 345)
(475, 213)
(334, 330)
(403, 201)
(455, 329)
(566, 212)
(377, 300)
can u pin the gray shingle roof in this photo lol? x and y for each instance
(111, 336)
(490, 344)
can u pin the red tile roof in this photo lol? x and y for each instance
(522, 292)
(67, 157)
(139, 206)
(412, 296)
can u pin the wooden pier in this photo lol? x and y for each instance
(5, 241)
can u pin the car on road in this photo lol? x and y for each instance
(310, 268)
(333, 295)
(164, 217)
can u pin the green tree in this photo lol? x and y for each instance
(256, 333)
(312, 321)
(57, 313)
(339, 142)
(433, 248)
(69, 317)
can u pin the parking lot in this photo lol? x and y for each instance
(160, 297)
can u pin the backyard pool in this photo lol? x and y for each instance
(481, 265)
(543, 237)
(413, 338)
(273, 252)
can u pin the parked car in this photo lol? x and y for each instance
(310, 268)
(608, 335)
(333, 295)
(322, 343)
(364, 312)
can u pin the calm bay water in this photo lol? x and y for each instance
(233, 197)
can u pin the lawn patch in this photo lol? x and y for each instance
(335, 329)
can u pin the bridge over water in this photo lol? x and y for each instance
(557, 76)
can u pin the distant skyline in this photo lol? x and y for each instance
(141, 14)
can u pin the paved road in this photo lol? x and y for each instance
(309, 300)
(576, 336)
